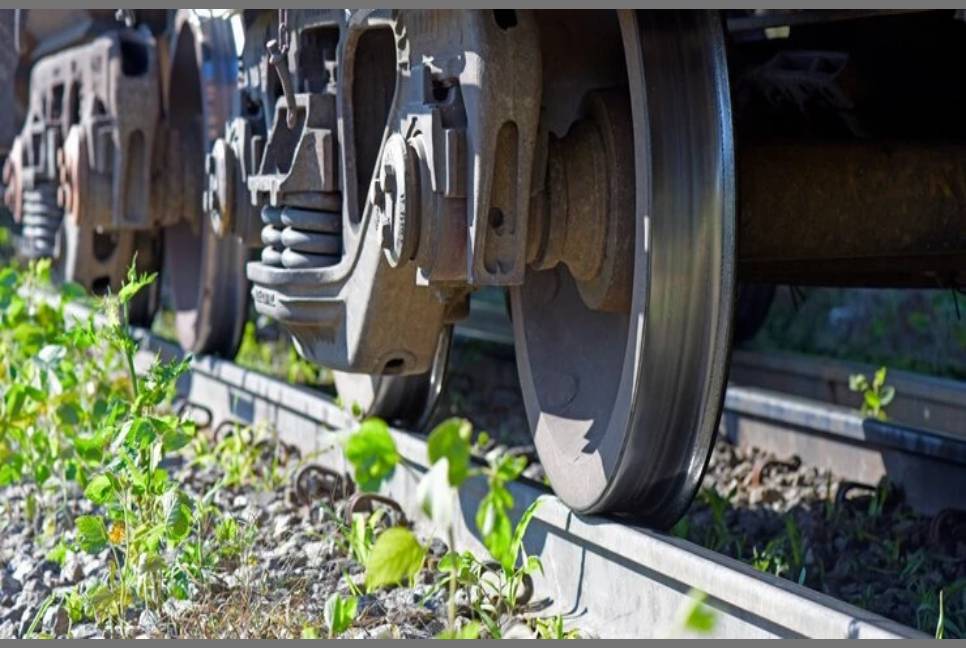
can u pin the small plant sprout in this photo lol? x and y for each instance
(553, 628)
(694, 617)
(876, 395)
(339, 614)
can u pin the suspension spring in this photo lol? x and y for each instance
(299, 239)
(41, 220)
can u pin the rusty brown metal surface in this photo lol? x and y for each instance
(853, 213)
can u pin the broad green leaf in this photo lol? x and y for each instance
(449, 562)
(141, 433)
(451, 439)
(99, 490)
(396, 556)
(372, 453)
(10, 473)
(91, 533)
(177, 516)
(158, 481)
(175, 439)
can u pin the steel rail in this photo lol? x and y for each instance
(609, 578)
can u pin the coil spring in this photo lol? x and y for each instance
(41, 220)
(299, 238)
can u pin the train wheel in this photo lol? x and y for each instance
(205, 274)
(624, 405)
(405, 400)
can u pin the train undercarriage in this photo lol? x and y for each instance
(635, 181)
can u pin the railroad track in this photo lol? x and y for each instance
(611, 579)
(793, 404)
(631, 581)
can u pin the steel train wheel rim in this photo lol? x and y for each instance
(624, 407)
(407, 400)
(204, 274)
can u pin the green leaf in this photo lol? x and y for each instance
(309, 632)
(11, 471)
(395, 557)
(58, 553)
(134, 283)
(469, 631)
(449, 562)
(339, 613)
(68, 414)
(179, 585)
(533, 565)
(140, 433)
(699, 618)
(509, 467)
(360, 543)
(372, 453)
(872, 400)
(177, 509)
(99, 490)
(482, 439)
(91, 534)
(42, 473)
(521, 529)
(879, 378)
(14, 400)
(158, 481)
(857, 383)
(175, 439)
(72, 291)
(494, 525)
(451, 439)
